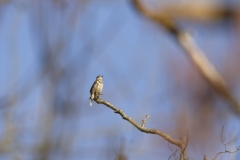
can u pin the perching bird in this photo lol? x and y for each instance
(96, 89)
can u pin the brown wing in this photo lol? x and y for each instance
(93, 88)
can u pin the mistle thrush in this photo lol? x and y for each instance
(96, 89)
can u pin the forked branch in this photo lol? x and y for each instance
(173, 152)
(225, 145)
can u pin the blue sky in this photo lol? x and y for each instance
(145, 72)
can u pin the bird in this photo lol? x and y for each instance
(96, 89)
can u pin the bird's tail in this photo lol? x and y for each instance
(91, 98)
(90, 101)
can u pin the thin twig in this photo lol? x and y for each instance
(225, 145)
(173, 152)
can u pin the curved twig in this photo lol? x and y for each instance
(226, 151)
(225, 145)
(173, 152)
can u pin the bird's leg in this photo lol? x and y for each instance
(97, 95)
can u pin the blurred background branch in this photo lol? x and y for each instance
(52, 50)
(196, 55)
(225, 146)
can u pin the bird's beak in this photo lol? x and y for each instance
(102, 76)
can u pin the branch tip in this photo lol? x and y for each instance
(144, 121)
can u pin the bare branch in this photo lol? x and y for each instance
(195, 54)
(182, 143)
(225, 145)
